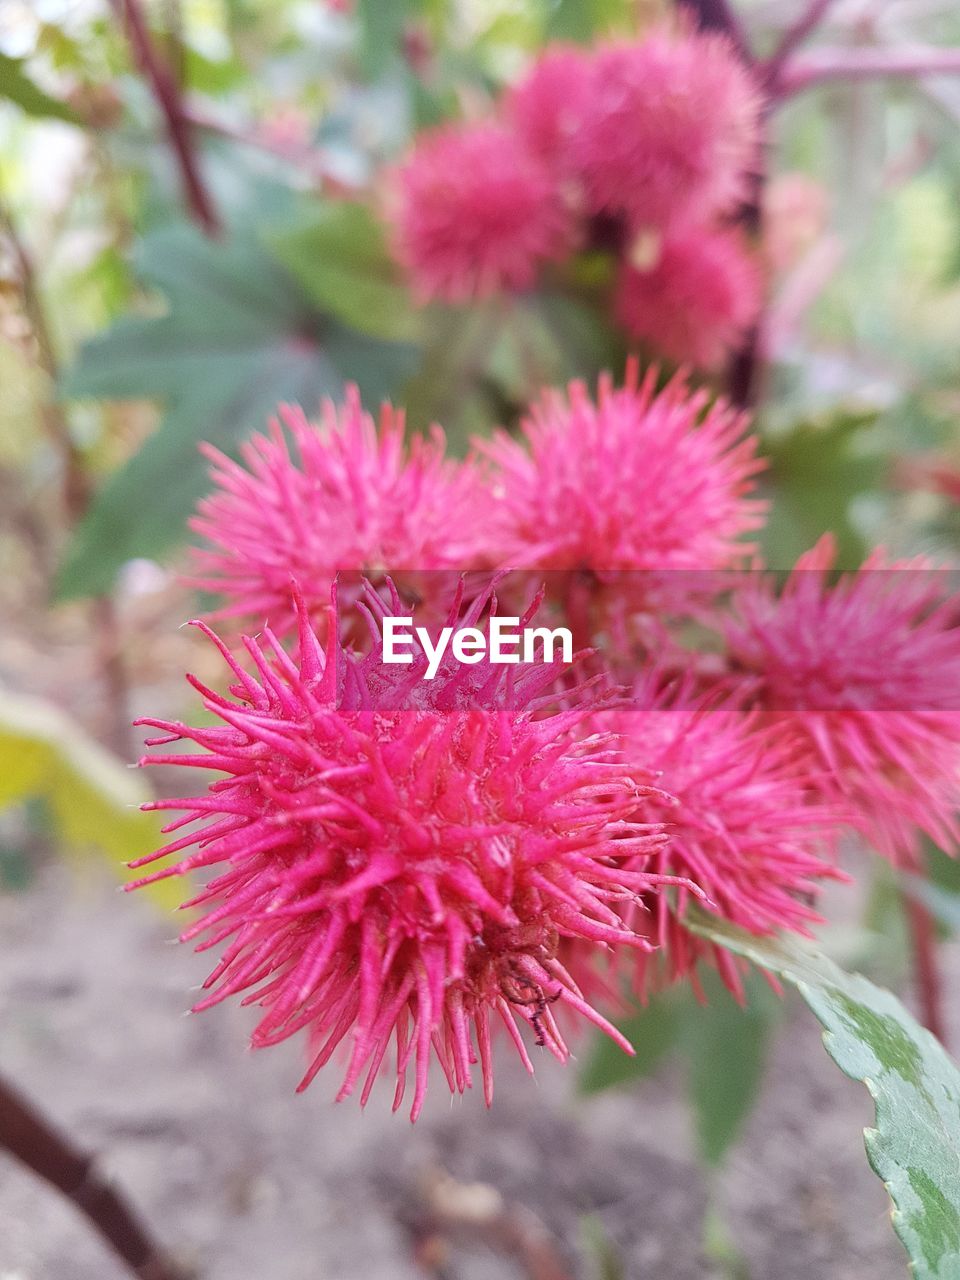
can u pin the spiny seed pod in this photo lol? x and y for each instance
(402, 859)
(475, 213)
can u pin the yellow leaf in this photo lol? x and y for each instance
(93, 798)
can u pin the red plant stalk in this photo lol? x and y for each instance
(926, 965)
(29, 1137)
(793, 37)
(862, 64)
(167, 93)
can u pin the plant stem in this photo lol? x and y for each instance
(862, 64)
(167, 94)
(76, 484)
(32, 1140)
(54, 420)
(792, 38)
(744, 369)
(926, 965)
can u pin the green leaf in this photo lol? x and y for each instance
(239, 337)
(653, 1032)
(938, 887)
(582, 20)
(726, 1048)
(93, 799)
(940, 868)
(915, 1146)
(608, 1265)
(382, 24)
(16, 86)
(340, 259)
(815, 473)
(452, 385)
(583, 342)
(723, 1045)
(942, 904)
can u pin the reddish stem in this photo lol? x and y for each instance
(926, 965)
(862, 64)
(743, 372)
(792, 38)
(54, 420)
(167, 93)
(76, 482)
(29, 1138)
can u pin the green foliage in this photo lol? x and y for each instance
(339, 257)
(726, 1048)
(16, 86)
(720, 1248)
(939, 888)
(608, 1264)
(816, 471)
(654, 1032)
(582, 20)
(943, 904)
(482, 365)
(382, 24)
(722, 1044)
(239, 336)
(915, 1146)
(92, 798)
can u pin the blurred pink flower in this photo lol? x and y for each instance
(476, 213)
(546, 105)
(670, 130)
(344, 494)
(868, 670)
(400, 859)
(741, 822)
(696, 300)
(638, 479)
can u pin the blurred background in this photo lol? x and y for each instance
(174, 261)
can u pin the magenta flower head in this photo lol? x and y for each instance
(695, 299)
(743, 826)
(398, 859)
(867, 669)
(634, 480)
(670, 130)
(344, 494)
(475, 213)
(546, 106)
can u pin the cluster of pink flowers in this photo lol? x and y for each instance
(632, 480)
(644, 149)
(406, 862)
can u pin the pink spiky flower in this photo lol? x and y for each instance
(670, 130)
(401, 859)
(743, 824)
(868, 670)
(344, 494)
(695, 300)
(546, 105)
(636, 480)
(475, 213)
